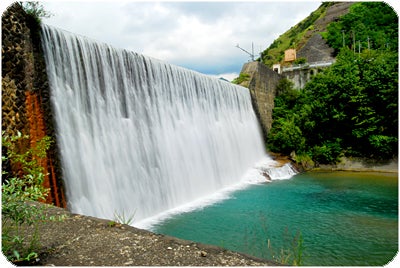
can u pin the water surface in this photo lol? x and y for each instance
(341, 218)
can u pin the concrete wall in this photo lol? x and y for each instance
(300, 77)
(262, 84)
(26, 103)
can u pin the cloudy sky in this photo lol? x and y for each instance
(201, 36)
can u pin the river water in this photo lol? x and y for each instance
(332, 218)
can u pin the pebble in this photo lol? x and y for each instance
(203, 254)
(169, 248)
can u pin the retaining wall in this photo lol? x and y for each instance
(262, 84)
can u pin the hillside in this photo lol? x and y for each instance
(306, 36)
(351, 108)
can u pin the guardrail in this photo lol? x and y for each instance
(308, 65)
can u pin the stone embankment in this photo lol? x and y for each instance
(78, 240)
(352, 164)
(362, 165)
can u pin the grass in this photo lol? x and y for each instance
(295, 37)
(122, 218)
(291, 253)
(242, 78)
(18, 190)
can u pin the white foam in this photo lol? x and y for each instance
(253, 176)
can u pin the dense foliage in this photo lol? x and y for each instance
(371, 25)
(351, 109)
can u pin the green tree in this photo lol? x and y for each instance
(285, 136)
(368, 24)
(350, 108)
(376, 112)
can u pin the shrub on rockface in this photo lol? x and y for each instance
(18, 190)
(35, 10)
(242, 78)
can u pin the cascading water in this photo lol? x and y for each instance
(139, 136)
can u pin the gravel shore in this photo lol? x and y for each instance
(78, 240)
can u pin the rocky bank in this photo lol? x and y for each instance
(362, 165)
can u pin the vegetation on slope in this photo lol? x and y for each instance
(18, 190)
(352, 107)
(295, 37)
(371, 25)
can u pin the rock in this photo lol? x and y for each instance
(203, 253)
(267, 176)
(128, 263)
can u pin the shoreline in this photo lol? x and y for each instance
(362, 165)
(356, 170)
(79, 240)
(351, 164)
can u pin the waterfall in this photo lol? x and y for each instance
(280, 173)
(140, 136)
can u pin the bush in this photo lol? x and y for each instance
(35, 10)
(17, 192)
(303, 159)
(301, 60)
(242, 78)
(285, 136)
(384, 145)
(327, 153)
(285, 87)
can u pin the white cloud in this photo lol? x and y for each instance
(196, 35)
